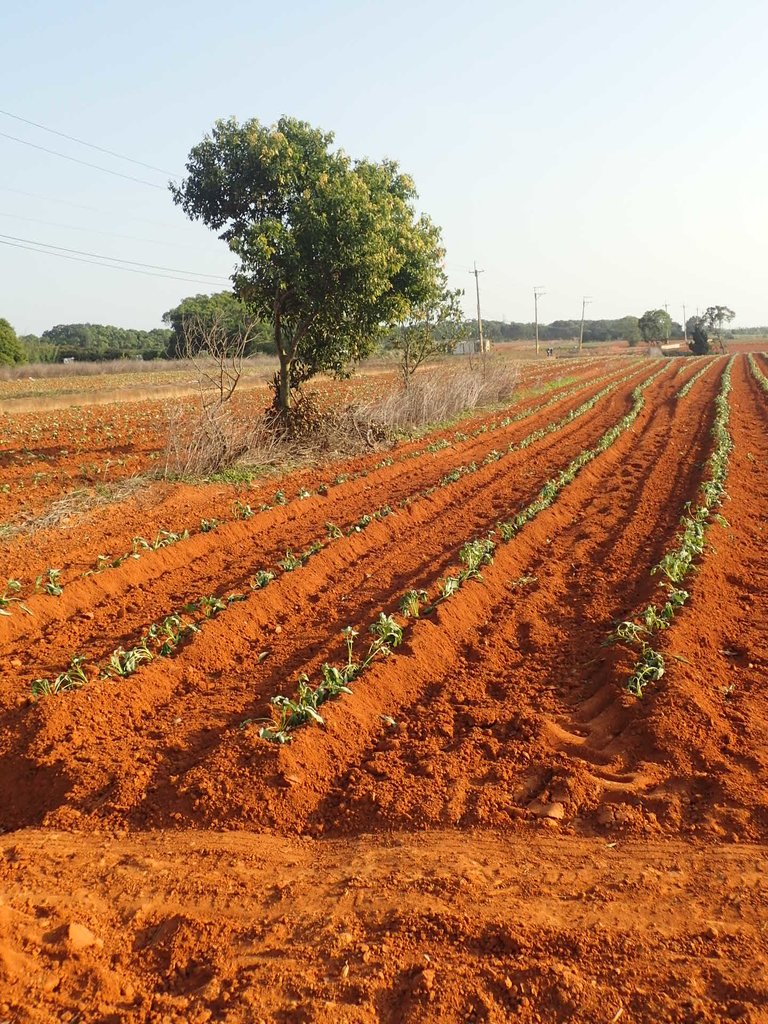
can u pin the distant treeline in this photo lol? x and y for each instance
(625, 329)
(96, 342)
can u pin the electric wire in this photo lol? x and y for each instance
(94, 231)
(113, 259)
(107, 266)
(85, 163)
(90, 145)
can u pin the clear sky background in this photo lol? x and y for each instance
(613, 148)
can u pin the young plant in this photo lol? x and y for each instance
(290, 562)
(73, 678)
(8, 597)
(241, 510)
(52, 584)
(262, 579)
(412, 602)
(649, 669)
(124, 663)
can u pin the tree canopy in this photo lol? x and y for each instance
(655, 326)
(329, 250)
(11, 351)
(103, 341)
(204, 310)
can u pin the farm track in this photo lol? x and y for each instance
(456, 928)
(167, 708)
(96, 614)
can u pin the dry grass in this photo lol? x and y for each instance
(74, 505)
(115, 367)
(442, 395)
(216, 437)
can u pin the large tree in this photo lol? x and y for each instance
(714, 320)
(655, 326)
(11, 350)
(189, 320)
(329, 250)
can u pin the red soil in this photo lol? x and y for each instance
(49, 455)
(527, 842)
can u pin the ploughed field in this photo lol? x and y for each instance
(535, 790)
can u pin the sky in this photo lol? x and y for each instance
(607, 148)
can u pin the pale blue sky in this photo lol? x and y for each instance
(611, 148)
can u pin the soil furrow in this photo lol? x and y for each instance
(478, 734)
(99, 613)
(222, 660)
(706, 721)
(163, 505)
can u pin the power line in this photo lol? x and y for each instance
(90, 145)
(538, 291)
(477, 274)
(95, 209)
(107, 266)
(584, 303)
(85, 163)
(114, 259)
(95, 231)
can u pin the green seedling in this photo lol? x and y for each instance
(72, 679)
(52, 584)
(206, 525)
(412, 601)
(649, 669)
(361, 524)
(262, 579)
(242, 511)
(290, 562)
(333, 531)
(9, 597)
(124, 663)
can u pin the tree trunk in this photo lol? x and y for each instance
(284, 383)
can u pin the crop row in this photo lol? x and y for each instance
(677, 563)
(244, 511)
(287, 714)
(685, 389)
(123, 663)
(757, 373)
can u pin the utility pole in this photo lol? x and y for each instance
(685, 327)
(537, 291)
(584, 303)
(477, 274)
(666, 310)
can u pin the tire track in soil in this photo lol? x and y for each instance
(481, 735)
(706, 721)
(169, 715)
(95, 615)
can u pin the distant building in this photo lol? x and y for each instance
(468, 347)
